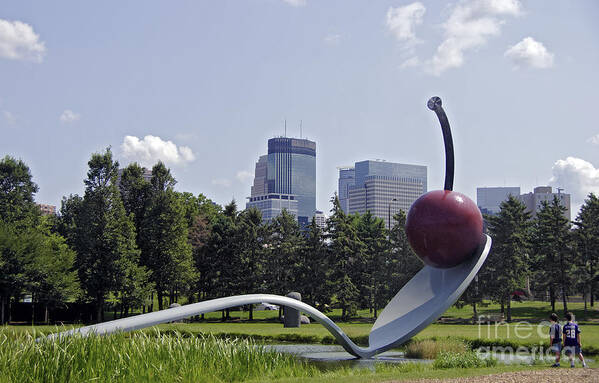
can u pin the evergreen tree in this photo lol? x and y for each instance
(314, 271)
(587, 239)
(554, 259)
(251, 238)
(403, 263)
(135, 192)
(344, 249)
(372, 233)
(285, 243)
(507, 265)
(104, 235)
(166, 251)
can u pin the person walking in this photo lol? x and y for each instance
(572, 344)
(555, 338)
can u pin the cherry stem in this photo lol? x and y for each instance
(435, 105)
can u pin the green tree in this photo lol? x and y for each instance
(507, 265)
(314, 270)
(344, 249)
(135, 193)
(104, 235)
(587, 239)
(251, 237)
(165, 247)
(552, 248)
(285, 243)
(403, 263)
(50, 276)
(372, 233)
(214, 259)
(12, 266)
(16, 193)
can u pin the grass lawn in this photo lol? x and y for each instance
(159, 357)
(266, 326)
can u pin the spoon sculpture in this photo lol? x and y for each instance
(452, 262)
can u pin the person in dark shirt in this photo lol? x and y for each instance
(555, 338)
(572, 343)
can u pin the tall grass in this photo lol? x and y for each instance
(468, 359)
(431, 348)
(142, 357)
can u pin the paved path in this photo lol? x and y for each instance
(566, 375)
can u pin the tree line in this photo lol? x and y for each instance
(132, 241)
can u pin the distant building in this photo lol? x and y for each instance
(321, 219)
(347, 179)
(384, 188)
(488, 199)
(289, 172)
(47, 209)
(272, 204)
(533, 201)
(260, 186)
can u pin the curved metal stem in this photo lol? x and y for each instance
(182, 312)
(435, 105)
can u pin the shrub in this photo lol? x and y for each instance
(430, 348)
(468, 359)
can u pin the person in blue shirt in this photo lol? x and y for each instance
(555, 338)
(572, 343)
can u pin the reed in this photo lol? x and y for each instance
(142, 357)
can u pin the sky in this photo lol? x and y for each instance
(202, 86)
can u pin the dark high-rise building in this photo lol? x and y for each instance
(290, 173)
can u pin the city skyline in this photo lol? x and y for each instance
(194, 82)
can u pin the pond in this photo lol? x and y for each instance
(333, 356)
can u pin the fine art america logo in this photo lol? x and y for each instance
(498, 332)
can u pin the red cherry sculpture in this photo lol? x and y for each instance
(444, 227)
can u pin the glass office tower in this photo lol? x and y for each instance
(292, 170)
(384, 188)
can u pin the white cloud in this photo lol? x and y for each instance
(244, 175)
(221, 182)
(469, 26)
(594, 140)
(332, 39)
(69, 116)
(296, 3)
(402, 22)
(578, 177)
(9, 117)
(152, 149)
(18, 41)
(530, 53)
(411, 62)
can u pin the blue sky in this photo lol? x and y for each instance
(203, 85)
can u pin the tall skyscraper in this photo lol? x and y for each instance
(287, 172)
(347, 179)
(533, 201)
(488, 199)
(260, 186)
(384, 188)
